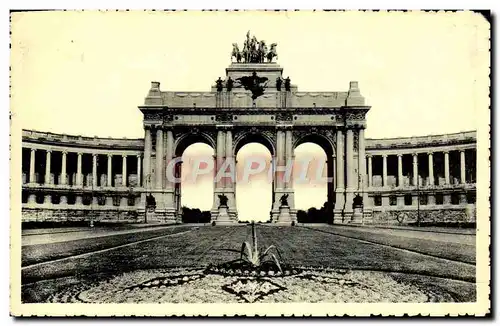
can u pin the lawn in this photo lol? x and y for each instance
(209, 245)
(33, 254)
(449, 250)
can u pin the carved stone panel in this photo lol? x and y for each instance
(284, 116)
(224, 117)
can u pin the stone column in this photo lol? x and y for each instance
(219, 158)
(94, 170)
(47, 167)
(415, 169)
(79, 180)
(147, 158)
(32, 165)
(229, 155)
(350, 159)
(110, 171)
(340, 184)
(63, 168)
(334, 171)
(400, 170)
(431, 169)
(370, 173)
(351, 180)
(138, 170)
(288, 156)
(361, 160)
(159, 158)
(280, 153)
(124, 170)
(230, 182)
(384, 170)
(446, 168)
(462, 167)
(169, 156)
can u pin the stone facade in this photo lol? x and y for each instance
(73, 177)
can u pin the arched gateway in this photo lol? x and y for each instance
(254, 102)
(69, 178)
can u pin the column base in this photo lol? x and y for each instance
(338, 217)
(357, 216)
(285, 216)
(165, 210)
(221, 216)
(231, 203)
(277, 205)
(158, 217)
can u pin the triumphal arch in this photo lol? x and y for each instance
(255, 102)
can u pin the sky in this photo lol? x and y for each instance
(86, 72)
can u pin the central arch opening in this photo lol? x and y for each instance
(254, 189)
(254, 183)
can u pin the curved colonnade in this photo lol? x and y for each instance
(74, 178)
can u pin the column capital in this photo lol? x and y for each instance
(430, 153)
(33, 149)
(446, 152)
(360, 126)
(369, 155)
(95, 154)
(64, 152)
(124, 155)
(462, 150)
(284, 127)
(48, 150)
(399, 155)
(414, 154)
(110, 155)
(138, 155)
(79, 153)
(223, 127)
(384, 155)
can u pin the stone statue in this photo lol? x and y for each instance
(222, 200)
(272, 53)
(278, 83)
(218, 82)
(284, 200)
(229, 84)
(357, 202)
(254, 84)
(150, 202)
(287, 84)
(236, 53)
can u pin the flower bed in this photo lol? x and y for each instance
(216, 284)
